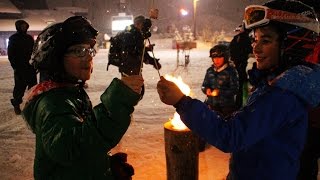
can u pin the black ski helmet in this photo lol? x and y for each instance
(53, 41)
(220, 50)
(296, 23)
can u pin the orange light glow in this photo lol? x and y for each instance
(178, 81)
(215, 92)
(176, 122)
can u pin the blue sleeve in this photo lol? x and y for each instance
(262, 117)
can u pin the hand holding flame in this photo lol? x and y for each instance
(134, 82)
(214, 92)
(168, 91)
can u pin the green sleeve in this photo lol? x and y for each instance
(69, 134)
(114, 113)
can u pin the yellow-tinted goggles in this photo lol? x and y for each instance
(257, 15)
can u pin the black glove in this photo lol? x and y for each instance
(153, 61)
(121, 170)
(156, 63)
(150, 47)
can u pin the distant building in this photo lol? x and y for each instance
(37, 19)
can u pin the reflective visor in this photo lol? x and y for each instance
(256, 15)
(216, 54)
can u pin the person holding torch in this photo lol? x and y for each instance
(267, 135)
(73, 137)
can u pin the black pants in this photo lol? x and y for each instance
(310, 155)
(22, 79)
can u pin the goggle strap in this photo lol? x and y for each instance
(298, 39)
(286, 16)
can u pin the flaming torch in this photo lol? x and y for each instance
(181, 145)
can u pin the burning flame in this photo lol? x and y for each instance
(176, 122)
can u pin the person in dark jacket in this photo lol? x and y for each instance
(132, 51)
(221, 82)
(311, 153)
(240, 48)
(309, 158)
(72, 137)
(19, 53)
(267, 135)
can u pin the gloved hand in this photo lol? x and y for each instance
(156, 64)
(153, 61)
(168, 91)
(150, 47)
(120, 168)
(134, 82)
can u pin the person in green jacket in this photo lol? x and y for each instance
(72, 137)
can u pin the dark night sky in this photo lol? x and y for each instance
(230, 11)
(228, 8)
(39, 4)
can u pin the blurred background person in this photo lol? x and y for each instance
(309, 158)
(128, 50)
(221, 82)
(240, 49)
(220, 85)
(19, 53)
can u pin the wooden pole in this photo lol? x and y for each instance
(182, 154)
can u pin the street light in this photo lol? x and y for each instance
(183, 12)
(194, 18)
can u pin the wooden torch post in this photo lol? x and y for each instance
(182, 153)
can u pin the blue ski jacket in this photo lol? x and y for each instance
(267, 135)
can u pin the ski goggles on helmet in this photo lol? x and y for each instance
(257, 15)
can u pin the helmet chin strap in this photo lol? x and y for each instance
(282, 59)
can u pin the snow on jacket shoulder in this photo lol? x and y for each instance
(72, 138)
(302, 81)
(266, 136)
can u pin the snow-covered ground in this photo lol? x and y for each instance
(143, 142)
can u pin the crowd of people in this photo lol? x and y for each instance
(273, 134)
